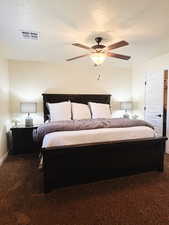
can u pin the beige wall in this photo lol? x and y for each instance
(28, 80)
(138, 79)
(4, 109)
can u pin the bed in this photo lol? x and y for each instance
(70, 164)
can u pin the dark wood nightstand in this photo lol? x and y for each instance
(20, 140)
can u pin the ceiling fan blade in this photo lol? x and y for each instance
(77, 57)
(81, 46)
(117, 45)
(125, 57)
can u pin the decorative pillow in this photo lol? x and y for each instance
(59, 111)
(100, 110)
(80, 111)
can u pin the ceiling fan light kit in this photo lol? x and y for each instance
(99, 52)
(98, 58)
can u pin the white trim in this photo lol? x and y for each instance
(3, 157)
(145, 102)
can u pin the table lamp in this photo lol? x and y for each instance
(28, 107)
(126, 106)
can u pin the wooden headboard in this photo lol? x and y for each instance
(79, 98)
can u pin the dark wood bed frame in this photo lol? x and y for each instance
(70, 165)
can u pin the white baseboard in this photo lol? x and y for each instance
(3, 157)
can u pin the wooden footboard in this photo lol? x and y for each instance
(70, 165)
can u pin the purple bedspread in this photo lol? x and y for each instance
(72, 125)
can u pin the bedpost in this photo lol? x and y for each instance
(46, 184)
(161, 161)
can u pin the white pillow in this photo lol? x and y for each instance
(59, 111)
(100, 110)
(80, 111)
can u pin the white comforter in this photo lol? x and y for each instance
(96, 135)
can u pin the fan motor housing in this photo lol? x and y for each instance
(98, 46)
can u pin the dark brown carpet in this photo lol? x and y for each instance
(135, 200)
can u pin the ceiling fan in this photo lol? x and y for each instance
(99, 52)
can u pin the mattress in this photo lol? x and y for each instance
(64, 138)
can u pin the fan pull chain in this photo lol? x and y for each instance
(99, 74)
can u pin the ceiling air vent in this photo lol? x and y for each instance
(29, 35)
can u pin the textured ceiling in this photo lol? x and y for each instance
(144, 24)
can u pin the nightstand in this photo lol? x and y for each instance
(20, 140)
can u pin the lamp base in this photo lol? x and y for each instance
(126, 116)
(28, 122)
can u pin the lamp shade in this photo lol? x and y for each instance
(125, 105)
(28, 107)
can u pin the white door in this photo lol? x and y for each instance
(154, 101)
